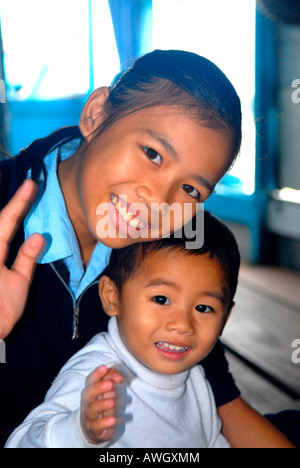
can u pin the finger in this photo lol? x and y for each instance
(16, 208)
(102, 429)
(114, 375)
(102, 389)
(100, 408)
(96, 375)
(25, 261)
(13, 213)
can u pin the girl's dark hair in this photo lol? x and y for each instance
(161, 77)
(185, 79)
(219, 242)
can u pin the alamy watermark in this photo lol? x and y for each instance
(122, 220)
(296, 92)
(296, 353)
(2, 92)
(2, 352)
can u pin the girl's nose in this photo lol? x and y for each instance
(155, 193)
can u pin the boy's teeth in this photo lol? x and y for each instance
(162, 344)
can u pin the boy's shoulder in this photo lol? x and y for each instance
(96, 352)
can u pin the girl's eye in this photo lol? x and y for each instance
(161, 300)
(191, 191)
(204, 309)
(153, 155)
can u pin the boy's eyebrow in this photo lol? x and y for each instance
(215, 295)
(171, 150)
(161, 281)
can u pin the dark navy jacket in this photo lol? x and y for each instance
(41, 342)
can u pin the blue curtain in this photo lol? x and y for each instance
(132, 22)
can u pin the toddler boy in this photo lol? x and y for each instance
(168, 306)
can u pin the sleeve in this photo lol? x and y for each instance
(56, 422)
(217, 373)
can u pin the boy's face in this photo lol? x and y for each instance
(172, 310)
(151, 157)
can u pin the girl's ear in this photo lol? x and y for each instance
(109, 296)
(92, 114)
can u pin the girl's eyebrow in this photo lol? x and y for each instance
(166, 144)
(203, 182)
(173, 153)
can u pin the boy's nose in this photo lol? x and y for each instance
(181, 323)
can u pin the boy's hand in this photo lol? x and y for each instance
(14, 283)
(98, 404)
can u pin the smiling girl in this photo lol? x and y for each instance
(165, 133)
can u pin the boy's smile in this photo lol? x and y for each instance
(172, 310)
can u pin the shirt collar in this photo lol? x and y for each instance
(49, 216)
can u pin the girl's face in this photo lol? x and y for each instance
(145, 175)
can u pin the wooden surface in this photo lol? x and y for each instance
(258, 392)
(263, 325)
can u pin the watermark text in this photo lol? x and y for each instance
(296, 92)
(2, 92)
(2, 352)
(139, 221)
(296, 353)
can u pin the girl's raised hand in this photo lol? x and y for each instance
(98, 404)
(15, 282)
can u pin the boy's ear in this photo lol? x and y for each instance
(92, 114)
(109, 296)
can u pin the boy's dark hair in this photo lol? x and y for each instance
(219, 243)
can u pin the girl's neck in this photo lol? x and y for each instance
(67, 171)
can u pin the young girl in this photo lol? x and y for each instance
(165, 133)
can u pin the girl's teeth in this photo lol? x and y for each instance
(122, 211)
(128, 217)
(134, 223)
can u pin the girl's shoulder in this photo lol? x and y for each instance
(14, 170)
(8, 180)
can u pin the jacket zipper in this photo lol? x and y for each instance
(76, 308)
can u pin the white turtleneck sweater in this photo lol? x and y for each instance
(158, 410)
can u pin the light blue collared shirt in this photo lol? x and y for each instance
(49, 217)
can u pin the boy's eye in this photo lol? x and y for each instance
(204, 309)
(161, 300)
(191, 191)
(153, 155)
